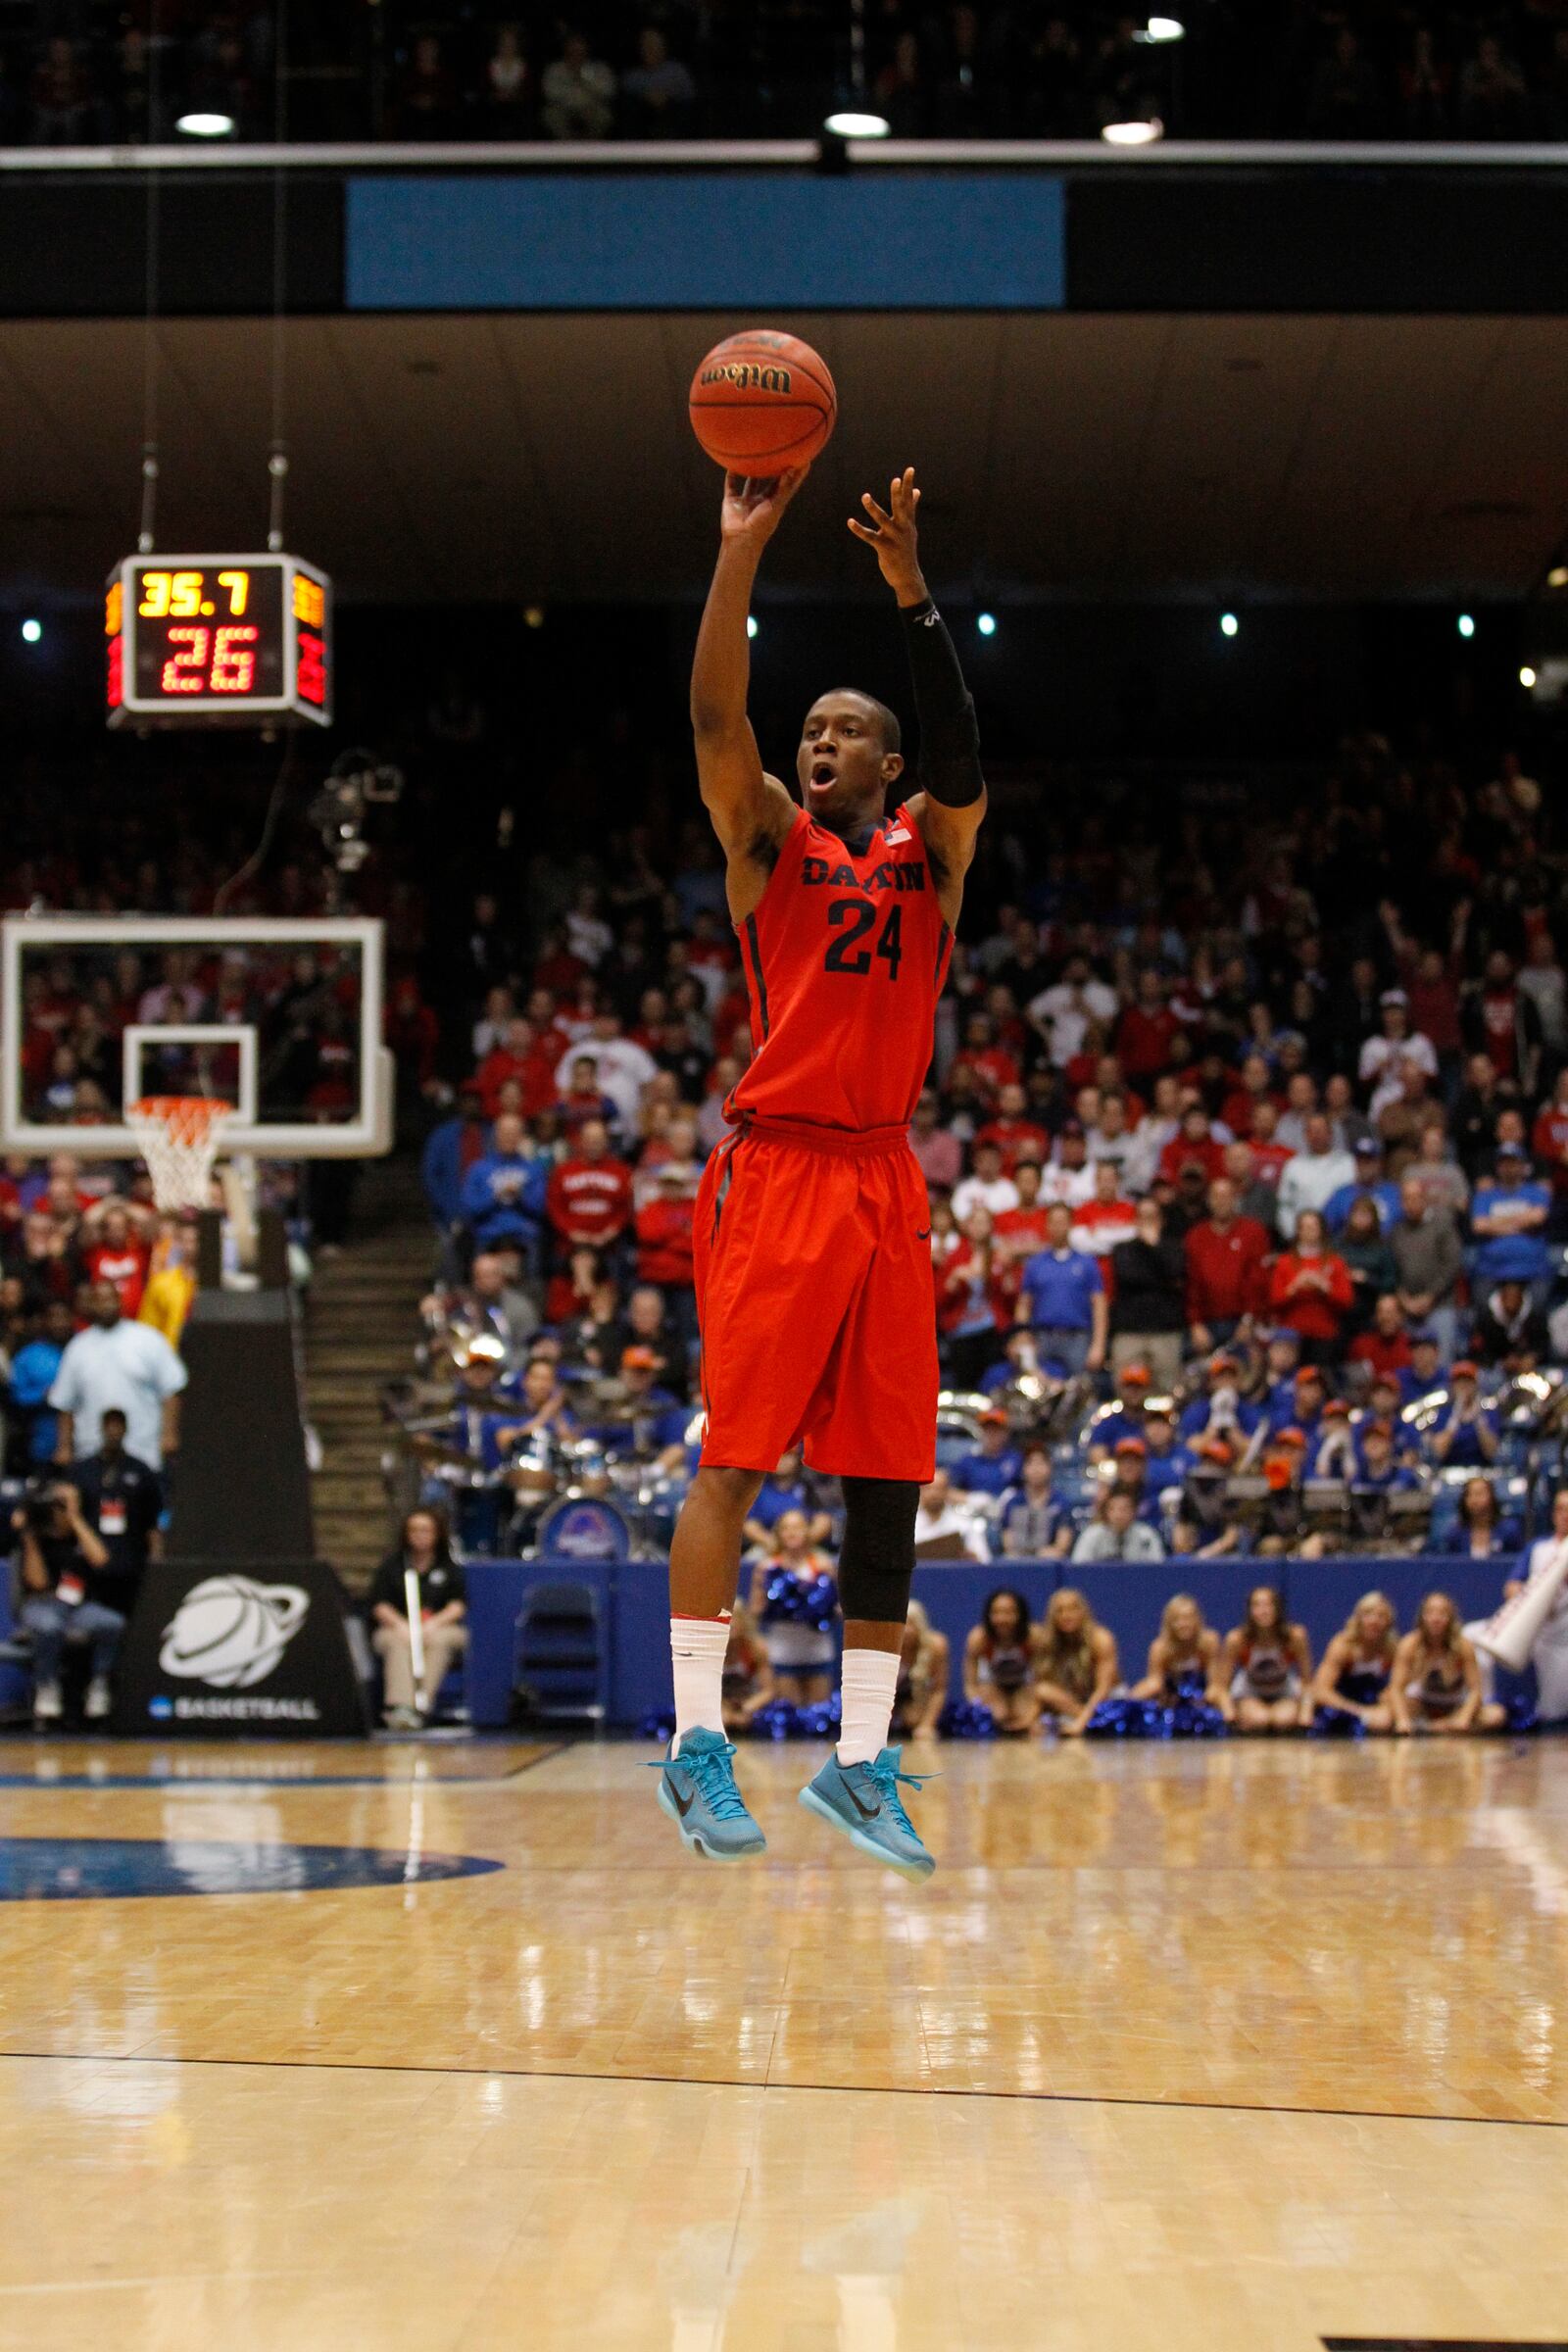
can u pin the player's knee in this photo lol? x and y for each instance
(732, 1492)
(876, 1564)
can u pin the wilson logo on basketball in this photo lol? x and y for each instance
(230, 1632)
(748, 376)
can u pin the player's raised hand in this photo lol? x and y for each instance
(752, 510)
(892, 531)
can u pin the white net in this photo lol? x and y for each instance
(180, 1136)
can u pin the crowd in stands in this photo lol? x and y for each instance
(1320, 68)
(1247, 1139)
(1249, 1198)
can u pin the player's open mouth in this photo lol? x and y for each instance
(823, 775)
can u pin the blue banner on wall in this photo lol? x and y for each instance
(705, 241)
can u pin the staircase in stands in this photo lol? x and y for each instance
(361, 1328)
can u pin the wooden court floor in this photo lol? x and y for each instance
(1182, 2047)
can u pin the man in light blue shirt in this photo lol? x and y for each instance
(115, 1363)
(1369, 1183)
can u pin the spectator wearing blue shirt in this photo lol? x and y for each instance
(1378, 1471)
(1299, 1402)
(785, 1490)
(1030, 1523)
(1062, 1299)
(33, 1376)
(1167, 1463)
(1369, 1184)
(450, 1151)
(1466, 1438)
(1424, 1372)
(649, 1419)
(1123, 1417)
(995, 1465)
(1221, 1410)
(503, 1192)
(1508, 1218)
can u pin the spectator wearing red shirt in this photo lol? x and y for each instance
(1108, 1218)
(589, 1197)
(1310, 1289)
(1226, 1276)
(1549, 1139)
(1195, 1141)
(1021, 1231)
(583, 1099)
(1386, 1345)
(1239, 1104)
(1269, 1155)
(115, 1254)
(991, 1065)
(1015, 1135)
(1147, 1032)
(411, 1031)
(1504, 1025)
(520, 1060)
(936, 1148)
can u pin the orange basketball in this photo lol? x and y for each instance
(762, 403)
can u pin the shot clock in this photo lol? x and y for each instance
(197, 641)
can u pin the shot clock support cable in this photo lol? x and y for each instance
(278, 458)
(146, 537)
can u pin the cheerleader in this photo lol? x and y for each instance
(1351, 1684)
(998, 1664)
(1076, 1665)
(1549, 1654)
(1184, 1658)
(789, 1600)
(748, 1677)
(925, 1667)
(1436, 1685)
(1267, 1669)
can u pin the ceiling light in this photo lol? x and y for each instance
(849, 124)
(1527, 676)
(31, 631)
(207, 126)
(751, 624)
(986, 623)
(1557, 576)
(1161, 28)
(1228, 624)
(1140, 133)
(1467, 626)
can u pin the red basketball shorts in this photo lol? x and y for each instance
(816, 1302)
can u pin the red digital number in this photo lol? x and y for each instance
(233, 660)
(117, 673)
(185, 673)
(309, 678)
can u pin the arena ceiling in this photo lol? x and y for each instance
(530, 457)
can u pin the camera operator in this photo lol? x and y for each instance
(122, 1499)
(63, 1564)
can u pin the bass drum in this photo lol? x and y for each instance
(583, 1527)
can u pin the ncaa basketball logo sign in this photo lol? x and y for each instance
(231, 1632)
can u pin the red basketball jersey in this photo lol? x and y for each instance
(844, 959)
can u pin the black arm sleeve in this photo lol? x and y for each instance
(950, 738)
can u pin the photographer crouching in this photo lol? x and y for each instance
(62, 1562)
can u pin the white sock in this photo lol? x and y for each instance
(869, 1680)
(696, 1646)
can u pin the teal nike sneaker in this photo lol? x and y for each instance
(697, 1789)
(862, 1800)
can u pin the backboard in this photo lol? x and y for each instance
(280, 1015)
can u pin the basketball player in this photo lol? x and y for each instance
(813, 1248)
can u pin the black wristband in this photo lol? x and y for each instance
(950, 738)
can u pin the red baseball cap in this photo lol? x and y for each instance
(1464, 1369)
(639, 1359)
(1135, 1376)
(1130, 1445)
